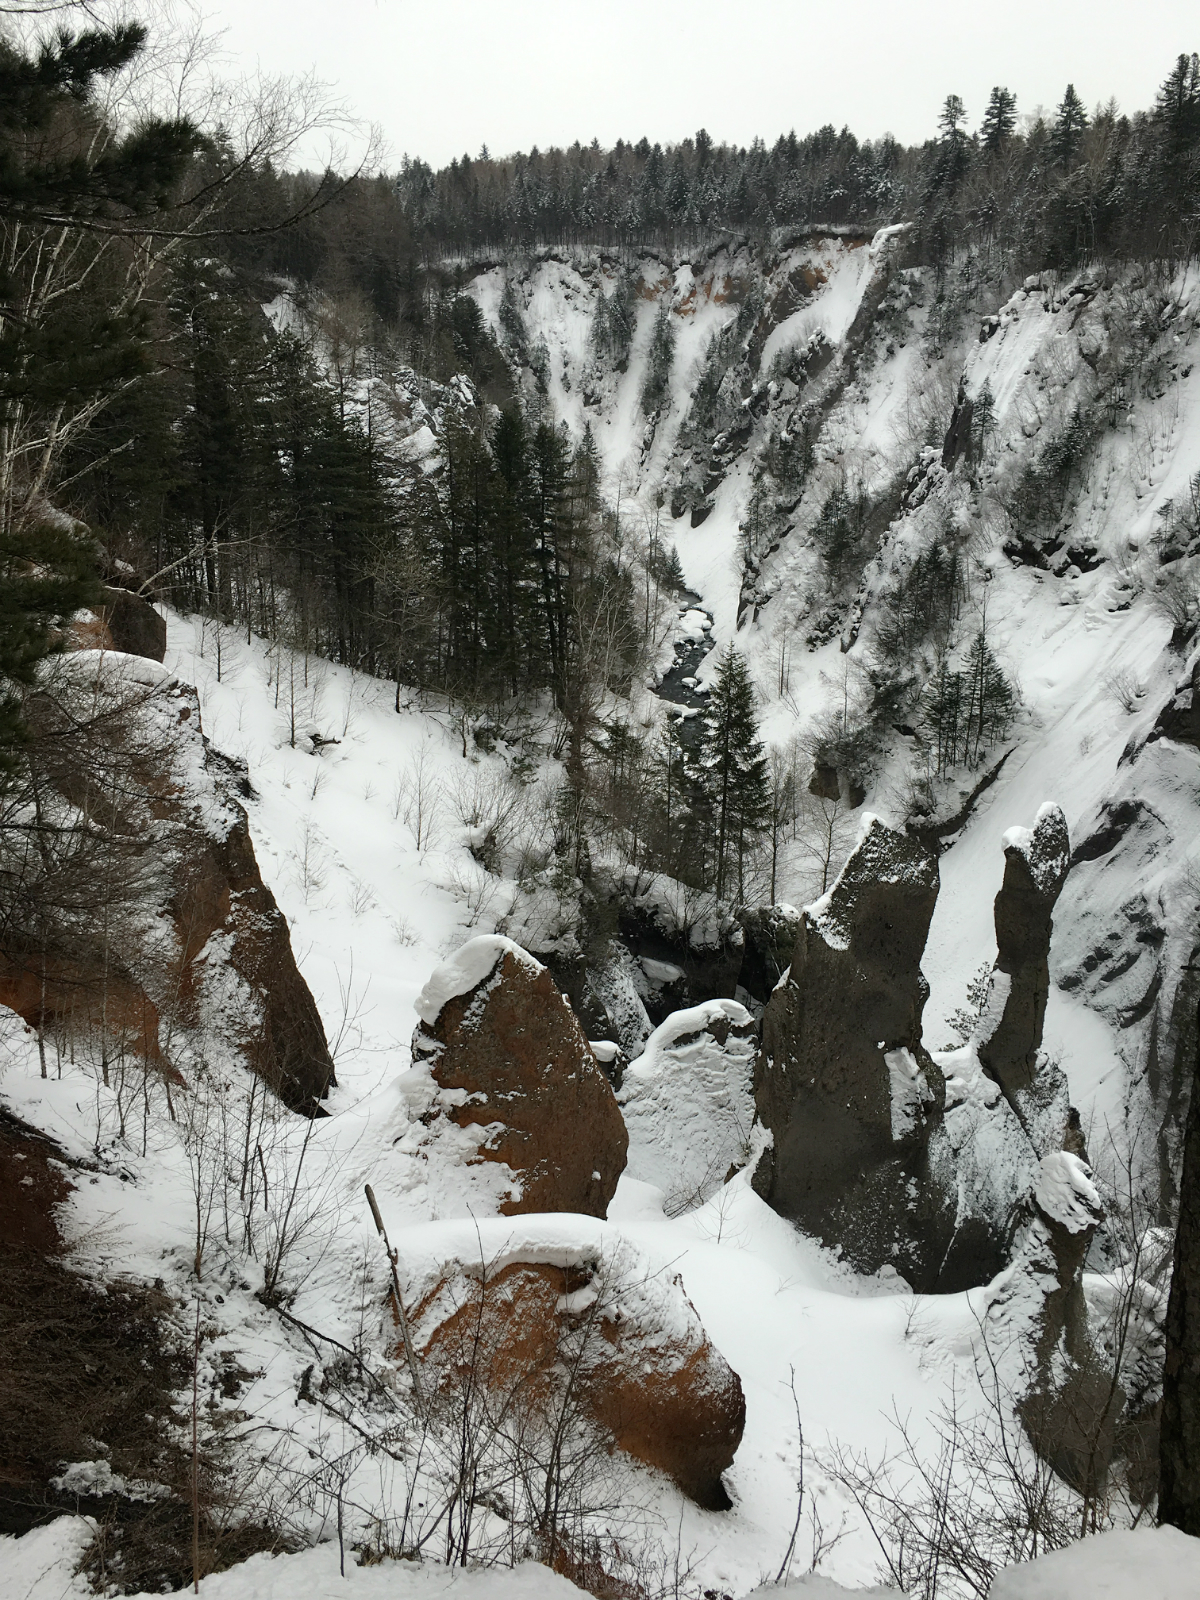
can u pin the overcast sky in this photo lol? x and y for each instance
(446, 76)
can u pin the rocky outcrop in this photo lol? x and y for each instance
(1067, 1397)
(643, 1372)
(508, 1058)
(1179, 719)
(1036, 862)
(167, 943)
(770, 934)
(1179, 1495)
(688, 1102)
(122, 621)
(958, 441)
(843, 1081)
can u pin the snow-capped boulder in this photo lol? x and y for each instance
(1036, 862)
(508, 1058)
(688, 1102)
(583, 1302)
(844, 1083)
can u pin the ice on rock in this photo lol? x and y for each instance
(688, 1101)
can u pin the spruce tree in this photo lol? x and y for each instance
(734, 772)
(659, 360)
(1069, 126)
(999, 119)
(953, 145)
(1177, 107)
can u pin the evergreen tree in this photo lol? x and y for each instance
(983, 416)
(659, 360)
(999, 120)
(953, 146)
(734, 773)
(990, 701)
(1177, 107)
(68, 344)
(1069, 126)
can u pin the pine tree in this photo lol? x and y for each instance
(999, 120)
(990, 700)
(735, 778)
(983, 416)
(953, 148)
(1177, 106)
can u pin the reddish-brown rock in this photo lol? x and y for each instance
(643, 1370)
(185, 951)
(504, 1046)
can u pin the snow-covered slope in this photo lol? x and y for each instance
(371, 914)
(363, 818)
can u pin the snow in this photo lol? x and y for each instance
(466, 968)
(909, 1091)
(688, 1102)
(40, 1566)
(1138, 1564)
(360, 833)
(1065, 1191)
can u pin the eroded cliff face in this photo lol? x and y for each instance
(837, 425)
(926, 1163)
(158, 947)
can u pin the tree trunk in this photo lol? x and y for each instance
(1179, 1450)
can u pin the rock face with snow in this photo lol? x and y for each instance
(643, 1370)
(198, 957)
(510, 1059)
(688, 1102)
(1065, 1393)
(1036, 862)
(844, 1083)
(123, 621)
(1179, 1499)
(770, 934)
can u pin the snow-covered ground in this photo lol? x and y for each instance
(371, 915)
(363, 831)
